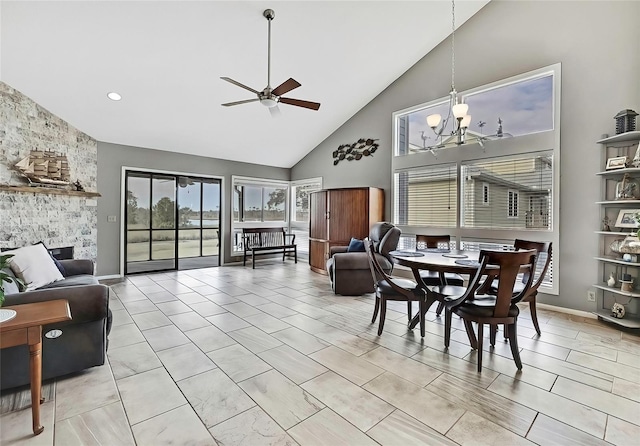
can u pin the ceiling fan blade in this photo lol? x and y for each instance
(228, 79)
(301, 103)
(275, 111)
(229, 104)
(286, 86)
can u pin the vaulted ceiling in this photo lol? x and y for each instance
(166, 59)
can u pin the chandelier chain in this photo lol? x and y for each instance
(453, 43)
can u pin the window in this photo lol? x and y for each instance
(484, 194)
(512, 179)
(513, 204)
(257, 202)
(300, 191)
(263, 202)
(505, 110)
(517, 108)
(427, 196)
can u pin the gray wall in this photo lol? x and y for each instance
(597, 44)
(111, 158)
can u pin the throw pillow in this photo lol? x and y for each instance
(56, 261)
(355, 245)
(34, 266)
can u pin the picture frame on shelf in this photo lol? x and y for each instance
(618, 162)
(627, 219)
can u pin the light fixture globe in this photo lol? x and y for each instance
(268, 102)
(433, 120)
(460, 110)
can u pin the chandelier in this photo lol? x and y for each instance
(457, 110)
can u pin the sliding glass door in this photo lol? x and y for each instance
(172, 222)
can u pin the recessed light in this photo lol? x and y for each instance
(114, 96)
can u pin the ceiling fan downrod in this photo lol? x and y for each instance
(270, 14)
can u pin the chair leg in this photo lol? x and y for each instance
(447, 327)
(506, 332)
(480, 337)
(253, 259)
(421, 312)
(383, 313)
(376, 308)
(295, 254)
(468, 326)
(410, 310)
(440, 308)
(493, 329)
(513, 343)
(534, 314)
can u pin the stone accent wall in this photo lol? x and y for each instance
(57, 220)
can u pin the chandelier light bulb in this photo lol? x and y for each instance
(460, 110)
(464, 123)
(433, 120)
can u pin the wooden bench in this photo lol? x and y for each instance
(264, 241)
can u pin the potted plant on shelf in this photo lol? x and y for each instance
(4, 277)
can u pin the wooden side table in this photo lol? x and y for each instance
(26, 329)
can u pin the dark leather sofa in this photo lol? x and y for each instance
(83, 341)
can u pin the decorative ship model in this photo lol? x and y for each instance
(45, 168)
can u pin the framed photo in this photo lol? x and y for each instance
(627, 218)
(619, 162)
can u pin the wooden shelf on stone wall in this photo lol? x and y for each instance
(48, 191)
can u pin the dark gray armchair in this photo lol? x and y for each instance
(349, 271)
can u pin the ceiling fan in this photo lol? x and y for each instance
(270, 97)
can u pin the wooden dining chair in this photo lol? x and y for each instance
(498, 309)
(544, 250)
(434, 278)
(392, 288)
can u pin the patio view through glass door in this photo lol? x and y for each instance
(172, 222)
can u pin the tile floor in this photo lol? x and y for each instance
(235, 356)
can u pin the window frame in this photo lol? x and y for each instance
(513, 203)
(530, 144)
(485, 194)
(262, 183)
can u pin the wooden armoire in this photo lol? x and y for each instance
(337, 215)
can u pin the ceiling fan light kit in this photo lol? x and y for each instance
(270, 97)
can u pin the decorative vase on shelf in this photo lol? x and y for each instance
(630, 244)
(612, 281)
(628, 188)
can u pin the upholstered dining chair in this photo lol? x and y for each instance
(544, 250)
(493, 310)
(392, 288)
(433, 278)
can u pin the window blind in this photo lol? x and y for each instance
(508, 193)
(426, 196)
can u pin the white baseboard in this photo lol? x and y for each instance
(566, 310)
(112, 276)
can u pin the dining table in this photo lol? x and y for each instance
(439, 260)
